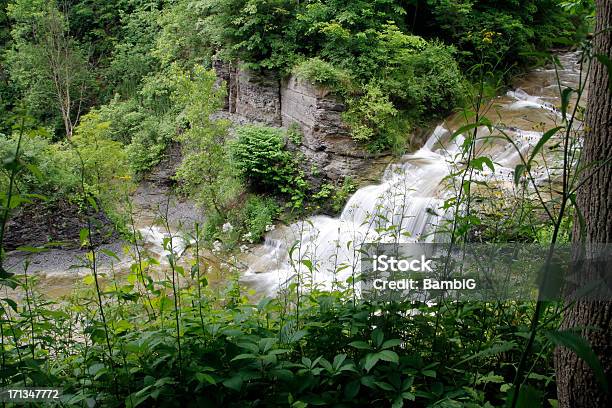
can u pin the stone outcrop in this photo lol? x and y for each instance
(326, 140)
(257, 96)
(329, 150)
(226, 74)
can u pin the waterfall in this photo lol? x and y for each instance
(408, 203)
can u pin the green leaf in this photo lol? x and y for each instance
(244, 357)
(32, 250)
(368, 381)
(297, 336)
(370, 361)
(388, 355)
(491, 351)
(110, 254)
(391, 343)
(478, 163)
(582, 348)
(463, 129)
(307, 263)
(581, 220)
(35, 171)
(352, 389)
(88, 280)
(83, 236)
(92, 203)
(398, 402)
(5, 278)
(408, 396)
(545, 138)
(362, 345)
(338, 360)
(11, 303)
(519, 170)
(565, 100)
(384, 386)
(377, 337)
(234, 383)
(282, 374)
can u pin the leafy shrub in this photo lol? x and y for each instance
(56, 175)
(404, 80)
(125, 117)
(105, 162)
(54, 170)
(295, 134)
(132, 58)
(423, 83)
(535, 25)
(206, 172)
(246, 222)
(323, 73)
(260, 155)
(258, 214)
(331, 350)
(370, 115)
(334, 197)
(149, 143)
(144, 132)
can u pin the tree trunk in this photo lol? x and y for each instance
(576, 383)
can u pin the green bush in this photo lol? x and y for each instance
(57, 174)
(370, 116)
(144, 132)
(149, 142)
(424, 83)
(405, 80)
(258, 214)
(125, 117)
(54, 170)
(104, 161)
(498, 33)
(217, 348)
(323, 73)
(260, 155)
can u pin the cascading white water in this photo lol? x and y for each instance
(153, 238)
(407, 206)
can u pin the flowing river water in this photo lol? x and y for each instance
(406, 206)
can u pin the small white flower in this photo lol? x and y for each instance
(270, 227)
(227, 227)
(244, 248)
(217, 246)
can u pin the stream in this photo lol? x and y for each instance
(404, 207)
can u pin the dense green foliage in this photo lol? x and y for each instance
(179, 329)
(261, 157)
(348, 45)
(91, 164)
(234, 353)
(118, 53)
(497, 32)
